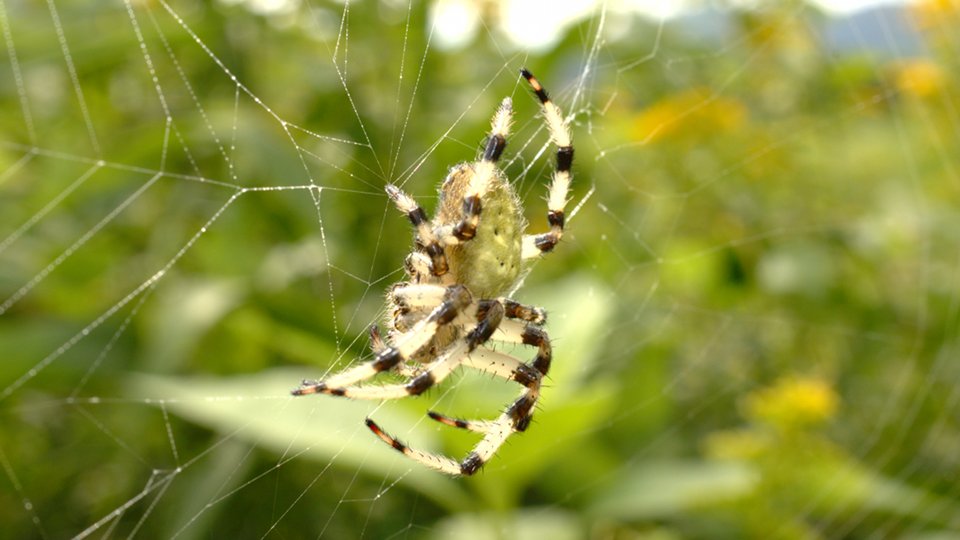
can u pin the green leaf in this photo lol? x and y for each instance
(578, 311)
(553, 523)
(258, 409)
(662, 489)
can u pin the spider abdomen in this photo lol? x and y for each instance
(491, 262)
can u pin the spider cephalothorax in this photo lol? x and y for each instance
(451, 305)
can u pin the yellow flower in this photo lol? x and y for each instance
(930, 14)
(740, 444)
(793, 402)
(920, 77)
(695, 113)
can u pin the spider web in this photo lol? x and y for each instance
(754, 309)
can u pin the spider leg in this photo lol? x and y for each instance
(506, 366)
(418, 266)
(516, 310)
(499, 365)
(425, 236)
(489, 314)
(536, 245)
(411, 303)
(456, 299)
(477, 426)
(516, 418)
(484, 170)
(417, 295)
(377, 345)
(435, 372)
(440, 463)
(513, 331)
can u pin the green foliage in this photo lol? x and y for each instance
(753, 310)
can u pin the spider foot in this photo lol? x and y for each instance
(521, 412)
(316, 387)
(385, 437)
(308, 387)
(479, 426)
(471, 464)
(467, 467)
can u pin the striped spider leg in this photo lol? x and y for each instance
(455, 300)
(479, 176)
(535, 245)
(515, 418)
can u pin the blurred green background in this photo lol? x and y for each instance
(754, 311)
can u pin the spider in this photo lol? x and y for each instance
(451, 304)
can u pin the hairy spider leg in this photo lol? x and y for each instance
(489, 316)
(456, 299)
(434, 461)
(536, 245)
(433, 373)
(418, 266)
(484, 171)
(499, 365)
(416, 295)
(509, 368)
(414, 301)
(425, 236)
(377, 345)
(516, 418)
(516, 310)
